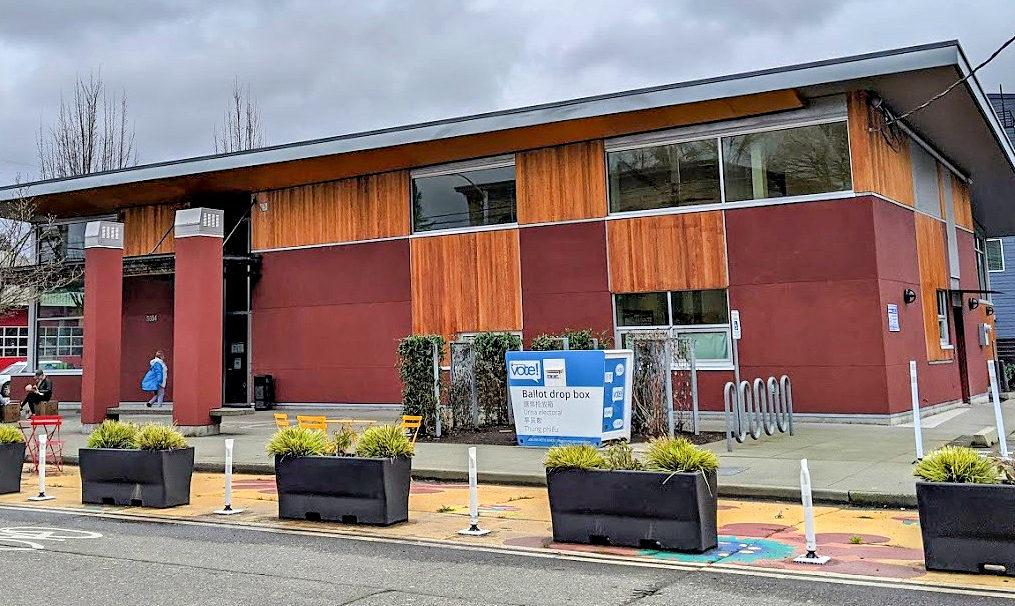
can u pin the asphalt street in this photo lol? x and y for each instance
(59, 558)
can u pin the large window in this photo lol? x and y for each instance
(60, 328)
(471, 197)
(701, 315)
(14, 342)
(64, 241)
(664, 176)
(995, 254)
(787, 162)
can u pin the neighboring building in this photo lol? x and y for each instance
(13, 338)
(997, 250)
(783, 194)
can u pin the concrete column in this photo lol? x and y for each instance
(100, 377)
(197, 320)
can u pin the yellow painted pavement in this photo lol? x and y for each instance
(764, 535)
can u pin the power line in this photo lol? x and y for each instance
(895, 119)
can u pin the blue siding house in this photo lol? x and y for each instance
(1000, 254)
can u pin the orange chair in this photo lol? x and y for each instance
(312, 422)
(411, 424)
(281, 419)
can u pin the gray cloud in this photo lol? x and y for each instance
(323, 68)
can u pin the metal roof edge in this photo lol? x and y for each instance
(852, 67)
(986, 109)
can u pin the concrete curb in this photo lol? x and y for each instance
(729, 491)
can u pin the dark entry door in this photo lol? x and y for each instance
(960, 350)
(236, 356)
(236, 289)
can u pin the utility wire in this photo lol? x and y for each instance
(947, 90)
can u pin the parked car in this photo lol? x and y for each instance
(19, 368)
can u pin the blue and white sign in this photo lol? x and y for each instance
(563, 397)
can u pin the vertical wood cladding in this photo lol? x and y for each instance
(466, 283)
(561, 183)
(144, 226)
(962, 203)
(933, 255)
(667, 252)
(360, 208)
(878, 166)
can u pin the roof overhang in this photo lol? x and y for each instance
(961, 126)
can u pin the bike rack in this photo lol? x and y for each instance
(753, 408)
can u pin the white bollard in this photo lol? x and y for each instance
(915, 391)
(228, 509)
(473, 529)
(1002, 437)
(811, 557)
(42, 471)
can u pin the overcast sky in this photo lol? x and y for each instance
(327, 68)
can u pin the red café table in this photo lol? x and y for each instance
(54, 445)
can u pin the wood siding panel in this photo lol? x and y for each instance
(963, 204)
(144, 226)
(933, 257)
(561, 183)
(328, 168)
(667, 252)
(350, 210)
(877, 166)
(466, 283)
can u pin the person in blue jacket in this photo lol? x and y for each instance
(155, 380)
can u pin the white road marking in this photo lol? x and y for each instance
(585, 557)
(25, 538)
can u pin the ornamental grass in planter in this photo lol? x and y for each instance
(966, 503)
(127, 464)
(347, 478)
(609, 497)
(12, 458)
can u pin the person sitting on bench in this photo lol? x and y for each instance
(40, 391)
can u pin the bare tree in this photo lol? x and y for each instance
(241, 128)
(91, 134)
(26, 276)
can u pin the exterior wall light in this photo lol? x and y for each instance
(908, 296)
(990, 310)
(973, 303)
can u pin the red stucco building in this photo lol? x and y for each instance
(792, 195)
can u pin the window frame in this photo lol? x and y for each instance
(20, 333)
(943, 319)
(451, 168)
(35, 356)
(680, 140)
(655, 140)
(679, 329)
(986, 254)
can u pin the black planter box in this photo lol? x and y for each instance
(12, 460)
(343, 489)
(145, 478)
(645, 509)
(967, 526)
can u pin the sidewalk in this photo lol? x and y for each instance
(863, 465)
(754, 537)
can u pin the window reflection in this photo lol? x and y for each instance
(788, 162)
(470, 198)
